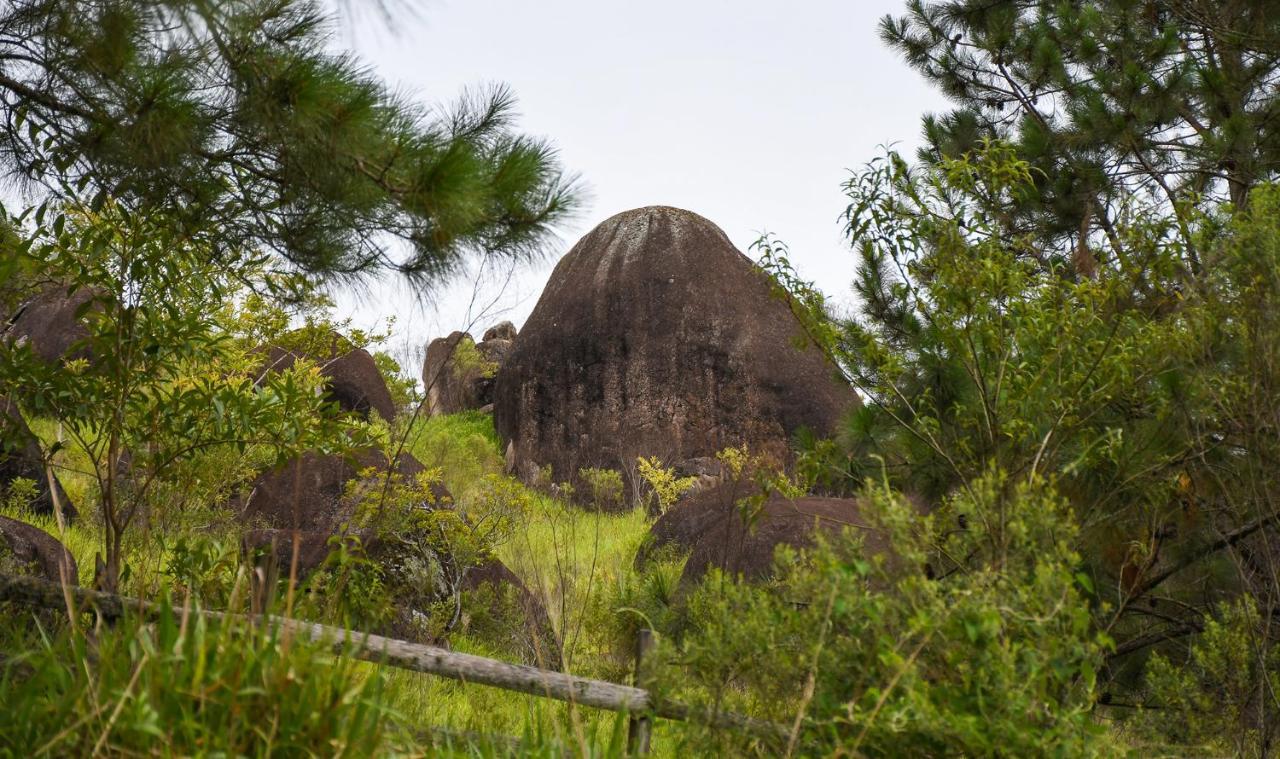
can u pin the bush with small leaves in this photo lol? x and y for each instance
(665, 488)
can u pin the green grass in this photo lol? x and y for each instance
(464, 447)
(574, 561)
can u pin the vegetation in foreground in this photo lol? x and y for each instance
(1066, 340)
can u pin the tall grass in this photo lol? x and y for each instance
(184, 686)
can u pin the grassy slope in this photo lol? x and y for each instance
(571, 559)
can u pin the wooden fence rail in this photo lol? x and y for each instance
(600, 694)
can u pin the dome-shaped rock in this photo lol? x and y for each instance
(655, 336)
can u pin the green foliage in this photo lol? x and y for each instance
(1171, 101)
(156, 382)
(571, 559)
(1136, 384)
(351, 590)
(867, 655)
(18, 494)
(239, 121)
(603, 488)
(665, 487)
(467, 360)
(973, 352)
(1222, 700)
(648, 598)
(401, 386)
(205, 570)
(185, 686)
(463, 446)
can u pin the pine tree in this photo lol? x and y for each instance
(236, 120)
(1176, 99)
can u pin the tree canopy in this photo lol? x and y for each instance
(1171, 99)
(237, 121)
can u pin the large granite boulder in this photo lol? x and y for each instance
(351, 375)
(28, 550)
(656, 337)
(711, 528)
(21, 457)
(458, 373)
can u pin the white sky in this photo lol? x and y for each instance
(749, 113)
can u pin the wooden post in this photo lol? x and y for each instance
(640, 726)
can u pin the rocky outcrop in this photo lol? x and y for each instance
(496, 586)
(351, 375)
(459, 373)
(712, 530)
(21, 457)
(656, 337)
(47, 323)
(28, 550)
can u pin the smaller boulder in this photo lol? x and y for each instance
(21, 457)
(490, 583)
(445, 380)
(537, 636)
(313, 548)
(29, 551)
(308, 492)
(710, 527)
(500, 331)
(48, 323)
(351, 375)
(459, 374)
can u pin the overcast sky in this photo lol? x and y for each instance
(749, 113)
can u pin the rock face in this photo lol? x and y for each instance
(47, 323)
(352, 377)
(21, 456)
(709, 526)
(307, 493)
(655, 336)
(458, 373)
(28, 550)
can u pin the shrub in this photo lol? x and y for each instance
(870, 655)
(665, 488)
(603, 488)
(1221, 696)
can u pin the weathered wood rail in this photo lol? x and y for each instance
(599, 694)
